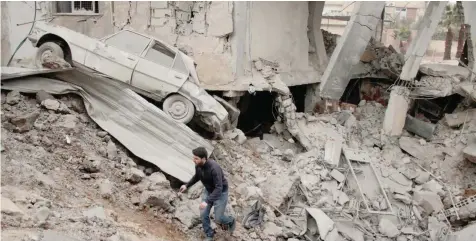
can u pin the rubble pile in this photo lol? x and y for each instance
(379, 59)
(330, 41)
(63, 178)
(357, 183)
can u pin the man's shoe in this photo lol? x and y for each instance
(232, 227)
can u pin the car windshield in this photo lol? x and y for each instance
(129, 41)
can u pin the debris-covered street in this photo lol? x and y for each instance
(367, 141)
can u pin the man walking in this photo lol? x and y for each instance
(215, 194)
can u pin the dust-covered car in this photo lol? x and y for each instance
(151, 67)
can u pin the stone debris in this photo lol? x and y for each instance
(388, 228)
(134, 175)
(53, 148)
(429, 201)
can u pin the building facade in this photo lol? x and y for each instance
(224, 38)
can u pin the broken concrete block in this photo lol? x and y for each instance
(9, 208)
(433, 186)
(51, 104)
(159, 199)
(288, 155)
(111, 150)
(388, 228)
(135, 175)
(341, 197)
(188, 214)
(270, 229)
(429, 201)
(91, 164)
(419, 127)
(324, 224)
(13, 97)
(457, 119)
(97, 212)
(333, 150)
(337, 175)
(25, 122)
(469, 153)
(422, 177)
(106, 188)
(276, 188)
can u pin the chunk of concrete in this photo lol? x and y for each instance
(333, 151)
(188, 214)
(324, 224)
(388, 228)
(13, 97)
(457, 119)
(9, 208)
(469, 153)
(422, 177)
(337, 175)
(270, 229)
(95, 212)
(134, 175)
(24, 122)
(429, 201)
(419, 127)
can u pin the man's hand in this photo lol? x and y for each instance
(183, 188)
(203, 205)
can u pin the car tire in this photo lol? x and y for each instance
(52, 47)
(179, 108)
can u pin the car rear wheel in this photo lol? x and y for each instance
(179, 108)
(46, 51)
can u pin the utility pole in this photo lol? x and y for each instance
(6, 51)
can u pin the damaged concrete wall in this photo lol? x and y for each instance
(279, 33)
(5, 33)
(222, 37)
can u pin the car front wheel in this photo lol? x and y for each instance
(179, 108)
(48, 52)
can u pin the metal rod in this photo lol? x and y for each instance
(19, 24)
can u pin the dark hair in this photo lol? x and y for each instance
(200, 152)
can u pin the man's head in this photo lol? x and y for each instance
(200, 155)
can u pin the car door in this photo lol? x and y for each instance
(118, 54)
(155, 72)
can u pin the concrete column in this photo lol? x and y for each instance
(240, 37)
(469, 10)
(316, 38)
(5, 48)
(350, 47)
(396, 112)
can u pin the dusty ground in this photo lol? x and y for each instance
(43, 173)
(63, 178)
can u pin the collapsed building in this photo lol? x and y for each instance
(361, 164)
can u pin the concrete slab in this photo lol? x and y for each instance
(350, 47)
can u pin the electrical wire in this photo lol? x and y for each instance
(23, 41)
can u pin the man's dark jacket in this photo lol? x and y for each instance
(211, 175)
